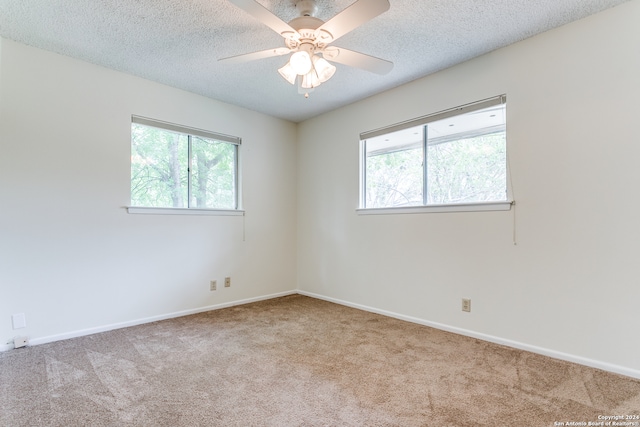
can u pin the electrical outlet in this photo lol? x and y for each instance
(466, 305)
(19, 342)
(227, 282)
(213, 285)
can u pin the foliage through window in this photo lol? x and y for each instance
(176, 167)
(453, 157)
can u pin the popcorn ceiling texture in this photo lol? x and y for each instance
(178, 42)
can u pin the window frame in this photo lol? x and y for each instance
(193, 132)
(501, 205)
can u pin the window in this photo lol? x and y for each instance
(177, 167)
(453, 158)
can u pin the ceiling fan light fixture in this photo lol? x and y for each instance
(323, 68)
(304, 90)
(288, 73)
(310, 80)
(301, 62)
(307, 37)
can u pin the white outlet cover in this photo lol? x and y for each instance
(19, 342)
(19, 321)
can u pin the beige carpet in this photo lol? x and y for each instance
(298, 361)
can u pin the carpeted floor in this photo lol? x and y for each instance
(298, 361)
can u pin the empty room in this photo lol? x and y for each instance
(319, 213)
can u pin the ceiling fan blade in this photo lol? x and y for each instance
(357, 60)
(263, 15)
(279, 51)
(352, 17)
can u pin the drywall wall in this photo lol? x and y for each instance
(71, 257)
(569, 287)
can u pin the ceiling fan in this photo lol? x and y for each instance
(308, 37)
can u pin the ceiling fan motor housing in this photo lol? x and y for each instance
(305, 22)
(306, 26)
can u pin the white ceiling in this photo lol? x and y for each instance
(179, 42)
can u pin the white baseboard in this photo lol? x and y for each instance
(490, 338)
(622, 370)
(105, 328)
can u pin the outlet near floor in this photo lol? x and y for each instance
(213, 285)
(19, 342)
(466, 305)
(227, 282)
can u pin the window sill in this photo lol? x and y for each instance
(183, 211)
(458, 207)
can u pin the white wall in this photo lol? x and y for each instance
(71, 258)
(571, 284)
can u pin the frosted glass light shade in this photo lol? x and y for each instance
(310, 80)
(288, 73)
(323, 68)
(302, 90)
(301, 62)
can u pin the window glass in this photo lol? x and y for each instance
(172, 169)
(158, 167)
(467, 158)
(213, 165)
(394, 171)
(456, 159)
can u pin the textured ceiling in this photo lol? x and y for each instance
(179, 42)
